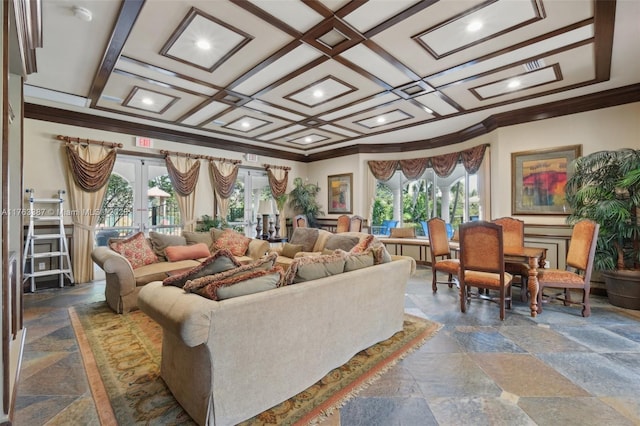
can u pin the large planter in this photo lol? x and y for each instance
(623, 288)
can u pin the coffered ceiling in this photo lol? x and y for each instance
(311, 77)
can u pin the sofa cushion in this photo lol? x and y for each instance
(232, 241)
(159, 242)
(353, 261)
(194, 237)
(160, 270)
(136, 250)
(304, 236)
(221, 260)
(363, 244)
(314, 267)
(264, 263)
(403, 233)
(290, 250)
(195, 251)
(248, 282)
(342, 242)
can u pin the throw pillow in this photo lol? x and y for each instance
(403, 233)
(290, 250)
(233, 241)
(243, 284)
(353, 261)
(194, 237)
(136, 250)
(266, 262)
(363, 244)
(196, 251)
(342, 242)
(314, 267)
(380, 254)
(220, 261)
(306, 237)
(159, 242)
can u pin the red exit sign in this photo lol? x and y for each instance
(144, 142)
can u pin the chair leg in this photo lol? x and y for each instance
(463, 298)
(540, 289)
(434, 285)
(524, 289)
(586, 306)
(450, 281)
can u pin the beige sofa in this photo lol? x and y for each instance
(123, 283)
(227, 361)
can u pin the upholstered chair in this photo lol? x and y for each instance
(482, 264)
(513, 236)
(577, 275)
(441, 260)
(355, 224)
(344, 222)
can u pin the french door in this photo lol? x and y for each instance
(251, 187)
(139, 197)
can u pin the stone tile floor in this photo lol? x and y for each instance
(556, 369)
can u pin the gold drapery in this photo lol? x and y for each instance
(184, 183)
(383, 170)
(91, 177)
(278, 184)
(87, 166)
(223, 176)
(443, 165)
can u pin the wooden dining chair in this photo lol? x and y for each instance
(513, 236)
(482, 264)
(441, 260)
(344, 223)
(355, 224)
(577, 275)
(300, 221)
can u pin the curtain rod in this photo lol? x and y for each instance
(89, 141)
(271, 166)
(198, 156)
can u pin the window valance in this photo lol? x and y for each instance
(443, 165)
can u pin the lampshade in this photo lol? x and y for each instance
(265, 207)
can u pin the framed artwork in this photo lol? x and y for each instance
(340, 193)
(538, 180)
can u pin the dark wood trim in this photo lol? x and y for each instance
(605, 99)
(62, 116)
(127, 17)
(604, 18)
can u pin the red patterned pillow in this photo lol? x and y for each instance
(233, 241)
(136, 250)
(362, 245)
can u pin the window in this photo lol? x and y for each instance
(454, 198)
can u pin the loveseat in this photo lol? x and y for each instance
(124, 278)
(226, 361)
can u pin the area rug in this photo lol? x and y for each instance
(121, 354)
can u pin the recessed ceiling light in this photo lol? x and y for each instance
(318, 93)
(474, 26)
(245, 124)
(381, 119)
(428, 110)
(203, 44)
(513, 84)
(308, 139)
(147, 101)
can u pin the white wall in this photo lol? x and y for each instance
(609, 128)
(44, 160)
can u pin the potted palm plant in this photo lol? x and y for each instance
(605, 187)
(302, 200)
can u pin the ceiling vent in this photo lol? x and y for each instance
(534, 65)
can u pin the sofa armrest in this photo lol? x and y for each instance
(116, 265)
(409, 258)
(186, 315)
(257, 248)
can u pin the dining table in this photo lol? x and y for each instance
(535, 257)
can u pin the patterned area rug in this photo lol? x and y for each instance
(122, 354)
